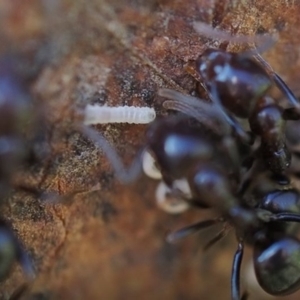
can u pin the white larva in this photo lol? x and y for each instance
(183, 187)
(167, 202)
(149, 167)
(95, 114)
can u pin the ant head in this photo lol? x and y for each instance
(177, 145)
(211, 62)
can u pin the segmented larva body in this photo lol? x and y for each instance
(95, 114)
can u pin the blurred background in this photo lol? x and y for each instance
(101, 239)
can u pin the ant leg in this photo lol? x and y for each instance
(19, 292)
(231, 120)
(231, 148)
(29, 189)
(21, 255)
(285, 217)
(11, 249)
(282, 86)
(286, 90)
(25, 262)
(124, 175)
(235, 275)
(252, 175)
(212, 114)
(291, 114)
(217, 238)
(188, 230)
(265, 41)
(46, 197)
(245, 296)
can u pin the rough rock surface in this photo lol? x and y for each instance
(103, 240)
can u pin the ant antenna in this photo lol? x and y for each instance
(265, 41)
(282, 86)
(221, 234)
(204, 112)
(194, 228)
(236, 270)
(124, 175)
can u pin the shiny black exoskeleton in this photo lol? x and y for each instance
(276, 257)
(239, 84)
(178, 144)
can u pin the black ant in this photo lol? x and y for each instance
(183, 151)
(184, 148)
(238, 84)
(16, 116)
(211, 158)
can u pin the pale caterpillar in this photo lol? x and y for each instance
(95, 114)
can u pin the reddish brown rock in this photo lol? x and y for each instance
(107, 241)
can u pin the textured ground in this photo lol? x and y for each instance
(107, 241)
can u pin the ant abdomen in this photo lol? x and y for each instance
(277, 265)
